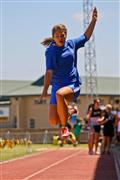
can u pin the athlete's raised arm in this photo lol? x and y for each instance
(92, 24)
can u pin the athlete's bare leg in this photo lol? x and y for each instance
(97, 135)
(63, 96)
(53, 115)
(91, 142)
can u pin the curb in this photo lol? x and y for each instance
(116, 156)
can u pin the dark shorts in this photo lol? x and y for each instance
(97, 128)
(108, 131)
(75, 87)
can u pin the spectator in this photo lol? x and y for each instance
(77, 130)
(118, 127)
(73, 113)
(93, 115)
(108, 122)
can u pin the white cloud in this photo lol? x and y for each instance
(78, 17)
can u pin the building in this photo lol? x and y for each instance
(19, 110)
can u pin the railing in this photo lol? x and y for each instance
(41, 136)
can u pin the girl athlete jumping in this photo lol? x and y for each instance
(61, 71)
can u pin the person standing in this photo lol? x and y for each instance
(108, 128)
(94, 114)
(117, 123)
(62, 72)
(77, 129)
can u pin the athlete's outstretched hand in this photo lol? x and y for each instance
(94, 14)
(91, 26)
(41, 99)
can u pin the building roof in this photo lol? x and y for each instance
(39, 82)
(106, 86)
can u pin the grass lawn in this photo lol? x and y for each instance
(22, 150)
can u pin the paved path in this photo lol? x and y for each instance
(61, 164)
(116, 155)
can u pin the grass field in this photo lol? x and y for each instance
(22, 150)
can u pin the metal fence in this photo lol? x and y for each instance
(40, 137)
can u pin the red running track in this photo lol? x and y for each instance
(60, 164)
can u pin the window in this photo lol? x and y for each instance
(14, 123)
(31, 123)
(117, 101)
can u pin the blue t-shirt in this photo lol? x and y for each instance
(63, 61)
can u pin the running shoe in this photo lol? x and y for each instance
(64, 132)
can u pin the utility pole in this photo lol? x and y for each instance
(90, 54)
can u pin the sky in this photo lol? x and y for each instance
(24, 24)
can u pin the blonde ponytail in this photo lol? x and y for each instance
(47, 41)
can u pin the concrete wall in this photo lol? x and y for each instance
(24, 108)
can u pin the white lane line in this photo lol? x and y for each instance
(52, 165)
(117, 166)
